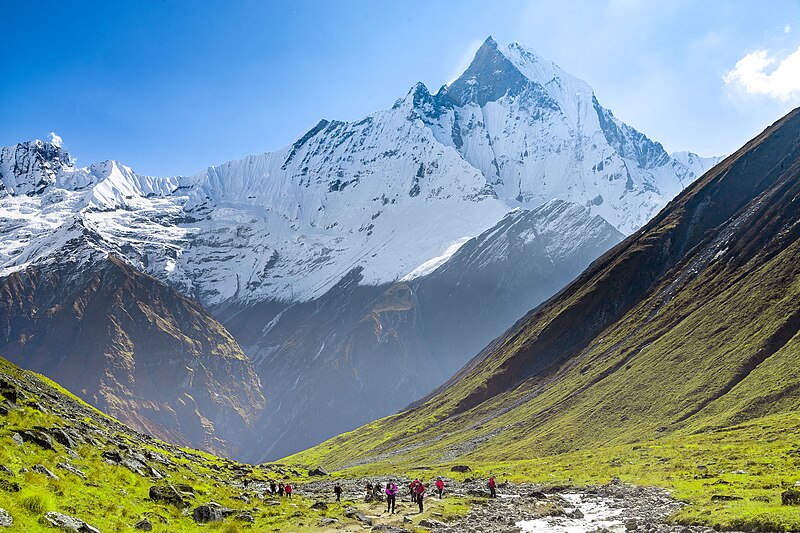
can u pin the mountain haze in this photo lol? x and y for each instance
(689, 325)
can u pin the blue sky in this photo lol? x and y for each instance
(169, 87)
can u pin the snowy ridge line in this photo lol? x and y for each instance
(391, 194)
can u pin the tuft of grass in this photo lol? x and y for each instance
(36, 502)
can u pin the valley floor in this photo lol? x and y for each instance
(59, 457)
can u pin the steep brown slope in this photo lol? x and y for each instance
(133, 347)
(619, 280)
(690, 324)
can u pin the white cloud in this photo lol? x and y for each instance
(787, 29)
(56, 139)
(761, 73)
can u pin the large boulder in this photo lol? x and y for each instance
(319, 471)
(460, 468)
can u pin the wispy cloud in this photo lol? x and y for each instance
(764, 74)
(787, 29)
(56, 139)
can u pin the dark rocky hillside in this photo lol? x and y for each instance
(133, 347)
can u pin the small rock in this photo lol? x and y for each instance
(245, 517)
(43, 470)
(764, 499)
(38, 438)
(724, 498)
(62, 437)
(407, 520)
(327, 521)
(320, 506)
(319, 471)
(143, 525)
(5, 518)
(352, 512)
(631, 524)
(386, 528)
(6, 470)
(791, 496)
(460, 468)
(112, 456)
(17, 439)
(166, 494)
(10, 486)
(205, 513)
(185, 490)
(71, 469)
(576, 514)
(69, 523)
(429, 524)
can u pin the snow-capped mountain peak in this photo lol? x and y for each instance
(386, 194)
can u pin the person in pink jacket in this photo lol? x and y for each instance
(391, 496)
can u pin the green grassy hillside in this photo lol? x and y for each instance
(105, 472)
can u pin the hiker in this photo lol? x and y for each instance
(439, 486)
(377, 492)
(280, 490)
(337, 489)
(288, 490)
(420, 494)
(413, 488)
(492, 486)
(368, 495)
(272, 488)
(391, 495)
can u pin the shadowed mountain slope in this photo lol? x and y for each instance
(133, 347)
(689, 324)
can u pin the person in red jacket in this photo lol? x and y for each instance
(492, 487)
(420, 494)
(413, 487)
(439, 487)
(288, 489)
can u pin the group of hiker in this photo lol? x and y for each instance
(417, 490)
(281, 489)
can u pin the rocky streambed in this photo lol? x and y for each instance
(615, 507)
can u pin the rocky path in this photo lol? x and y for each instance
(615, 507)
